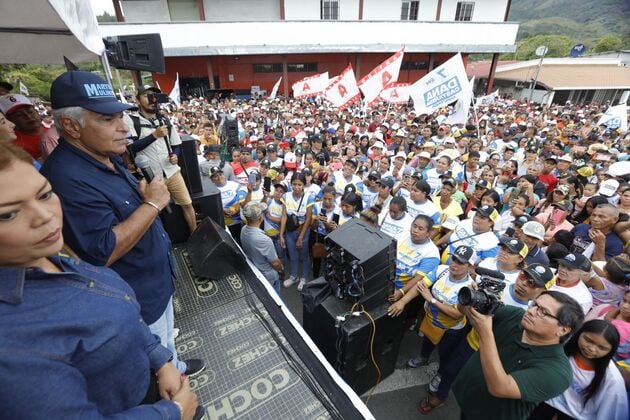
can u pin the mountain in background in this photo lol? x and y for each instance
(585, 21)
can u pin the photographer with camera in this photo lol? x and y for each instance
(154, 137)
(521, 361)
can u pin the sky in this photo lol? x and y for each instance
(100, 6)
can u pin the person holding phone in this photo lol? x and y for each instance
(556, 220)
(322, 223)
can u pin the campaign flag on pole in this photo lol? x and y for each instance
(381, 77)
(310, 86)
(344, 91)
(274, 90)
(443, 85)
(488, 99)
(462, 106)
(397, 93)
(23, 89)
(615, 117)
(174, 95)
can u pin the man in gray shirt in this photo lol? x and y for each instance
(258, 246)
(212, 154)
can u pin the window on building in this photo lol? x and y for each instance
(267, 68)
(464, 10)
(183, 10)
(329, 9)
(409, 10)
(301, 67)
(414, 65)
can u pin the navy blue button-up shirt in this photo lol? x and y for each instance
(95, 199)
(73, 345)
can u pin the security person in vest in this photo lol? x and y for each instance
(159, 141)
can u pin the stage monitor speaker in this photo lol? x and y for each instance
(175, 224)
(208, 203)
(136, 52)
(189, 163)
(346, 344)
(212, 251)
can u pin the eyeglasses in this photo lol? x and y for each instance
(540, 311)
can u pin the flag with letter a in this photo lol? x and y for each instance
(344, 91)
(443, 85)
(381, 77)
(397, 93)
(310, 86)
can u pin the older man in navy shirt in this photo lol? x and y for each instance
(109, 218)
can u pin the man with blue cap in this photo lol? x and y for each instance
(109, 218)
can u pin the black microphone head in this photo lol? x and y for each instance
(489, 273)
(142, 162)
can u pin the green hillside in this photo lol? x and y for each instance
(584, 21)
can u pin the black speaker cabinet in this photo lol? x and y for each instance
(346, 344)
(175, 224)
(230, 133)
(190, 165)
(136, 52)
(208, 203)
(212, 251)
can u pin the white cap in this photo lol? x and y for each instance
(566, 158)
(425, 155)
(11, 101)
(534, 229)
(609, 187)
(401, 154)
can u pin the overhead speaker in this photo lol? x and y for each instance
(190, 165)
(212, 251)
(142, 52)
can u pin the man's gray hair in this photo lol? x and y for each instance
(74, 112)
(614, 209)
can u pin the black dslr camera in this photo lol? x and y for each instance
(157, 98)
(486, 299)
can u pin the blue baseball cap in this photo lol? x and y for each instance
(85, 90)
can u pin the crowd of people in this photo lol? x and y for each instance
(540, 194)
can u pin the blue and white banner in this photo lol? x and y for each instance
(488, 99)
(444, 85)
(615, 117)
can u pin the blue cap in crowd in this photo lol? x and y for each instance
(85, 90)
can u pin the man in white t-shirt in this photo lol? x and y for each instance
(572, 269)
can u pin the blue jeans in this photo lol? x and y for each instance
(298, 255)
(163, 328)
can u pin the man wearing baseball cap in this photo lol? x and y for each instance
(28, 124)
(573, 269)
(530, 283)
(532, 233)
(109, 218)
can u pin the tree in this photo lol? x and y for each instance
(106, 17)
(609, 42)
(559, 46)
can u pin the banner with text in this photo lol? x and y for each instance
(310, 86)
(615, 117)
(443, 85)
(381, 77)
(344, 91)
(488, 99)
(397, 93)
(459, 115)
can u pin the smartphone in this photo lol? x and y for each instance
(252, 179)
(322, 212)
(322, 161)
(336, 218)
(267, 184)
(556, 216)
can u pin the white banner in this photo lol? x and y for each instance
(174, 95)
(23, 89)
(443, 85)
(397, 93)
(488, 99)
(310, 86)
(462, 107)
(344, 91)
(274, 91)
(615, 117)
(381, 77)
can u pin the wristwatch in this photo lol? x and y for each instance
(433, 301)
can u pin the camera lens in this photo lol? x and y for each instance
(465, 296)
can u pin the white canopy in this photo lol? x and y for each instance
(42, 32)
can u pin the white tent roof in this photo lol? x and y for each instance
(42, 32)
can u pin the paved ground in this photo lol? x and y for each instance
(397, 396)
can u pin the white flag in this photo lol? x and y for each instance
(460, 112)
(174, 95)
(381, 77)
(122, 97)
(344, 91)
(23, 89)
(274, 91)
(443, 85)
(310, 86)
(488, 99)
(397, 93)
(615, 117)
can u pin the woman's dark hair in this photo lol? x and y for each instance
(354, 200)
(555, 252)
(524, 197)
(400, 202)
(494, 196)
(371, 215)
(563, 237)
(426, 219)
(448, 159)
(611, 335)
(423, 186)
(329, 189)
(594, 201)
(618, 270)
(298, 176)
(577, 185)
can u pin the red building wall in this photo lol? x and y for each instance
(241, 67)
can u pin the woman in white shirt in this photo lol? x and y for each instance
(395, 220)
(509, 260)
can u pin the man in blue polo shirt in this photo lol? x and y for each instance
(109, 218)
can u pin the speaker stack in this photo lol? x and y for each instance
(340, 307)
(135, 52)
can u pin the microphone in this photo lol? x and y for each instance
(142, 163)
(489, 273)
